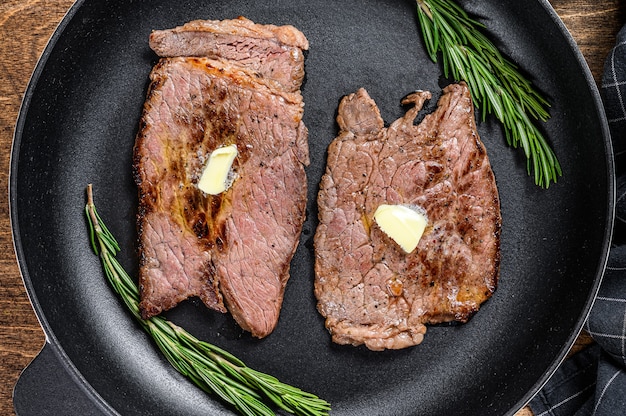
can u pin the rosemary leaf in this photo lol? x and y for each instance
(495, 83)
(209, 367)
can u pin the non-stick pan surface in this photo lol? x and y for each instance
(78, 124)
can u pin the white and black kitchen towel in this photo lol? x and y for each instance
(593, 382)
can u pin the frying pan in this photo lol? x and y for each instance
(77, 126)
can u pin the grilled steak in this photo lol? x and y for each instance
(369, 290)
(232, 250)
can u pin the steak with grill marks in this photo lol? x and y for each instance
(369, 290)
(232, 250)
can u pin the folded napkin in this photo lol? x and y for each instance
(593, 381)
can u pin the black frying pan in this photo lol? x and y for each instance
(78, 123)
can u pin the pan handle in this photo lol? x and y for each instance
(45, 387)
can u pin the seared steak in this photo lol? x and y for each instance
(233, 249)
(369, 290)
(274, 52)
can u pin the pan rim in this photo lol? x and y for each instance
(51, 340)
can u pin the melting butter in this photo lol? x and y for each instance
(403, 224)
(215, 176)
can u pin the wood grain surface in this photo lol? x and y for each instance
(25, 27)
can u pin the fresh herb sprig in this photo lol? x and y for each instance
(495, 82)
(209, 367)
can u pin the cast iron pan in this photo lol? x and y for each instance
(78, 124)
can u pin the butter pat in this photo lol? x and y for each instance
(215, 176)
(403, 224)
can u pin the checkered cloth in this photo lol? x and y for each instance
(593, 382)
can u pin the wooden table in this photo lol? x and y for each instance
(26, 25)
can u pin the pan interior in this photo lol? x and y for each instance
(78, 126)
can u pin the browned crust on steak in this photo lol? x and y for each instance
(369, 290)
(232, 250)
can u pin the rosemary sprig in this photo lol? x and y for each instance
(495, 82)
(208, 366)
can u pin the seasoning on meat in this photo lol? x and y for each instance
(368, 288)
(232, 249)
